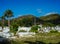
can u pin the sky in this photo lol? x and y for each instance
(35, 7)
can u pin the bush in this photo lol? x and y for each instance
(14, 28)
(34, 29)
(22, 31)
(53, 31)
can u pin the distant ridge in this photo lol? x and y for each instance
(51, 18)
(30, 20)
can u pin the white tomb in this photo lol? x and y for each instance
(24, 28)
(0, 28)
(23, 34)
(6, 29)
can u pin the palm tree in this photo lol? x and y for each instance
(3, 19)
(8, 14)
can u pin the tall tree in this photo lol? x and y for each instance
(8, 15)
(2, 19)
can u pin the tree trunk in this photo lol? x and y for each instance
(34, 21)
(8, 23)
(2, 24)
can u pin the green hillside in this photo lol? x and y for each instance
(27, 20)
(52, 18)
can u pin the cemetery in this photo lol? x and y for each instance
(25, 31)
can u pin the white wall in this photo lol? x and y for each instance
(24, 28)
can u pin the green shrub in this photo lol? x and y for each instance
(22, 31)
(53, 31)
(14, 28)
(34, 29)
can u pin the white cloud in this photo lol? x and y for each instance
(51, 13)
(39, 10)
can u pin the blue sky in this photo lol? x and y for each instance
(34, 7)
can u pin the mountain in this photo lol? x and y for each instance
(51, 18)
(27, 20)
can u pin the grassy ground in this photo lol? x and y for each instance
(39, 38)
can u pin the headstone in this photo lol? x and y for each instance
(57, 28)
(6, 29)
(7, 35)
(46, 29)
(0, 28)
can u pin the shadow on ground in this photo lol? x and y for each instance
(4, 40)
(39, 42)
(7, 41)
